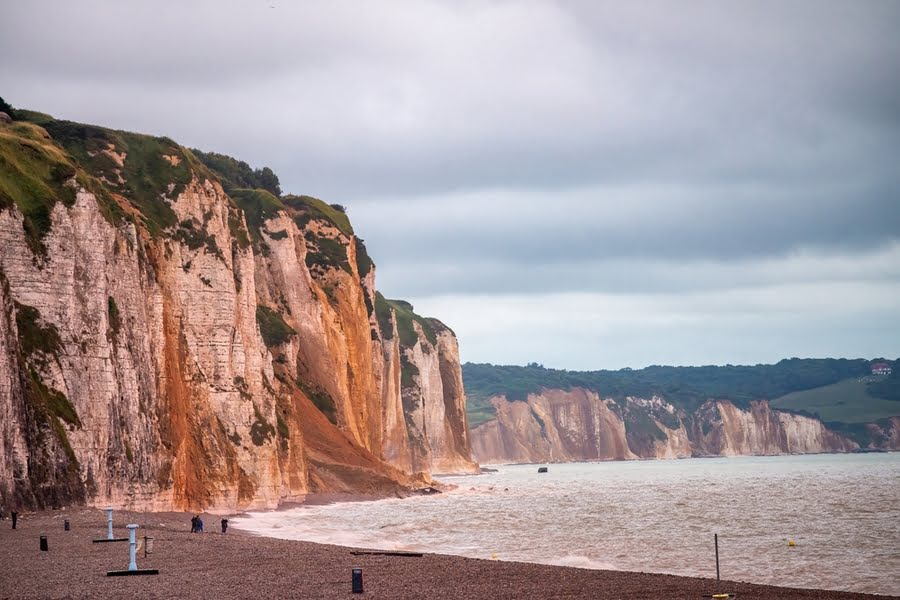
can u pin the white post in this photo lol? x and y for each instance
(109, 534)
(132, 543)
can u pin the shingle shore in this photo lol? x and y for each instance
(240, 565)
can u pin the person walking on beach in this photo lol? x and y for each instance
(224, 525)
(199, 524)
(15, 517)
(194, 523)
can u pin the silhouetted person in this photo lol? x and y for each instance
(224, 525)
(199, 525)
(15, 517)
(194, 520)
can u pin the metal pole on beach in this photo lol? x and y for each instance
(716, 538)
(132, 543)
(109, 532)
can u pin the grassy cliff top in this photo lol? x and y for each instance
(405, 315)
(36, 173)
(143, 169)
(309, 208)
(258, 206)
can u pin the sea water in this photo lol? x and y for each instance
(841, 511)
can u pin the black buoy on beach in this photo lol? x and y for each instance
(44, 547)
(357, 581)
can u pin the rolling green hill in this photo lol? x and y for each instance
(847, 401)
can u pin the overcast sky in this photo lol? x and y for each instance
(582, 184)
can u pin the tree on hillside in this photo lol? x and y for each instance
(236, 174)
(7, 108)
(268, 180)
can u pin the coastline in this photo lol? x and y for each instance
(240, 564)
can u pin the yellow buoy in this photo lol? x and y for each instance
(791, 543)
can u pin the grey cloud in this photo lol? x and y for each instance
(675, 222)
(348, 98)
(638, 276)
(617, 148)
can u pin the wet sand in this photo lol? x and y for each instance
(241, 565)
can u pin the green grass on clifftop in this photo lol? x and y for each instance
(847, 401)
(34, 176)
(258, 206)
(144, 169)
(309, 208)
(405, 315)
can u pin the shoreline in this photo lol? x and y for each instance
(240, 563)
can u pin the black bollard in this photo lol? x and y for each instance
(66, 525)
(716, 538)
(15, 517)
(357, 581)
(44, 547)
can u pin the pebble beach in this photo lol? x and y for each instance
(241, 565)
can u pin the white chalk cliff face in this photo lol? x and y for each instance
(576, 425)
(165, 345)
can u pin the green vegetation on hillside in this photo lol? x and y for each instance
(321, 399)
(364, 262)
(886, 387)
(50, 407)
(260, 429)
(34, 337)
(687, 387)
(847, 401)
(236, 174)
(272, 326)
(34, 176)
(405, 315)
(7, 108)
(144, 169)
(259, 205)
(309, 208)
(326, 252)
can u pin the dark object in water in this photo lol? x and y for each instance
(357, 581)
(428, 491)
(385, 553)
(542, 469)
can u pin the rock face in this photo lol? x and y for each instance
(576, 425)
(166, 345)
(883, 434)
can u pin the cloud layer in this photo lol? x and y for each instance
(593, 184)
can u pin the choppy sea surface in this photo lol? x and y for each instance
(841, 511)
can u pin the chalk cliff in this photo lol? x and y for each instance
(167, 345)
(559, 426)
